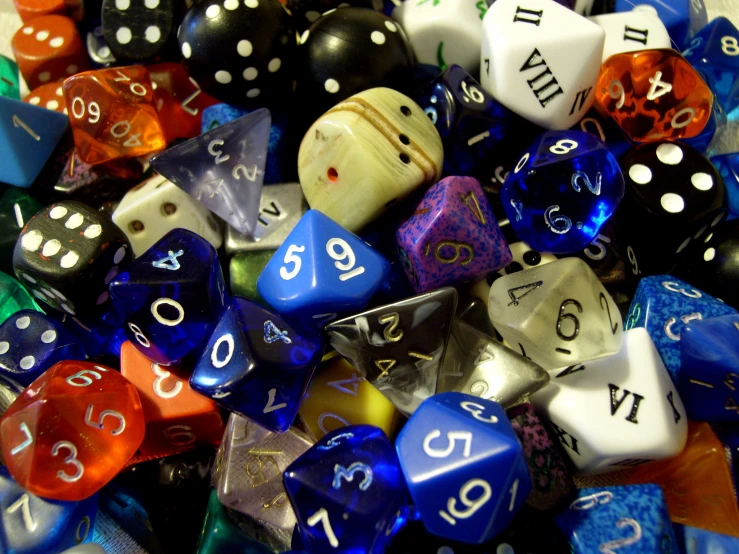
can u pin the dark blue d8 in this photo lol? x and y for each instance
(347, 491)
(562, 190)
(257, 365)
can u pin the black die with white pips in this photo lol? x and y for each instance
(137, 30)
(674, 198)
(239, 51)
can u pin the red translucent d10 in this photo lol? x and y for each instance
(654, 95)
(72, 430)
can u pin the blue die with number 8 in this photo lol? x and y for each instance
(464, 466)
(562, 190)
(321, 271)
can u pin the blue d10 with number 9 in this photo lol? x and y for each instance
(464, 466)
(321, 271)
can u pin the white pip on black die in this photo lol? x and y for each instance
(136, 30)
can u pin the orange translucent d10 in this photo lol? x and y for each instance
(654, 95)
(112, 114)
(72, 430)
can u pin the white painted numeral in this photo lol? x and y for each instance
(220, 158)
(78, 535)
(563, 146)
(658, 88)
(139, 335)
(182, 431)
(346, 253)
(71, 460)
(322, 516)
(476, 410)
(25, 443)
(611, 546)
(99, 423)
(472, 93)
(513, 491)
(84, 380)
(616, 90)
(290, 257)
(78, 110)
(591, 501)
(601, 248)
(730, 46)
(471, 505)
(271, 406)
(452, 437)
(24, 504)
(215, 360)
(673, 287)
(326, 415)
(242, 169)
(168, 302)
(679, 121)
(354, 382)
(170, 262)
(18, 122)
(157, 385)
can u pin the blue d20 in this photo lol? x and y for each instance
(257, 365)
(31, 342)
(728, 167)
(562, 190)
(33, 525)
(321, 271)
(347, 491)
(713, 131)
(709, 372)
(627, 520)
(170, 297)
(28, 136)
(606, 130)
(464, 466)
(682, 18)
(223, 168)
(663, 305)
(691, 540)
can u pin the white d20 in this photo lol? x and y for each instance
(556, 314)
(616, 412)
(540, 60)
(639, 29)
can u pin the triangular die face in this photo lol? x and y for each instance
(223, 168)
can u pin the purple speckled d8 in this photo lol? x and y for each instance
(451, 237)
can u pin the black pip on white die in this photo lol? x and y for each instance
(137, 29)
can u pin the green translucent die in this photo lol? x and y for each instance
(14, 298)
(9, 85)
(222, 534)
(244, 269)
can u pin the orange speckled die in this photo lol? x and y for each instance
(49, 96)
(654, 95)
(112, 114)
(72, 430)
(176, 416)
(48, 49)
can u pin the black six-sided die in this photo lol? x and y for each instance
(136, 30)
(307, 12)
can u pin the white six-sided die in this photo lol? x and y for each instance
(639, 29)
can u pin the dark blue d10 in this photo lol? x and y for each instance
(347, 491)
(562, 190)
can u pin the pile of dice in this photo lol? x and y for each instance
(345, 276)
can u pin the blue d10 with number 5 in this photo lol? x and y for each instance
(321, 271)
(464, 466)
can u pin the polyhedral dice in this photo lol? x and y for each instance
(474, 312)
(340, 273)
(9, 86)
(673, 196)
(112, 114)
(63, 440)
(33, 525)
(664, 305)
(639, 29)
(177, 418)
(258, 365)
(306, 12)
(9, 391)
(444, 33)
(97, 49)
(693, 540)
(16, 207)
(48, 96)
(244, 269)
(629, 394)
(714, 52)
(28, 137)
(347, 491)
(654, 95)
(728, 167)
(155, 207)
(170, 297)
(137, 31)
(452, 236)
(458, 450)
(562, 191)
(610, 518)
(399, 347)
(239, 53)
(14, 298)
(31, 343)
(67, 254)
(477, 364)
(683, 18)
(606, 130)
(367, 153)
(232, 190)
(531, 70)
(557, 314)
(603, 255)
(49, 48)
(250, 465)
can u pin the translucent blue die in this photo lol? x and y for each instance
(257, 365)
(562, 190)
(663, 305)
(464, 466)
(33, 525)
(692, 540)
(170, 297)
(628, 520)
(321, 271)
(728, 167)
(347, 491)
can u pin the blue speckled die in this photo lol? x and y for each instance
(691, 540)
(664, 305)
(728, 167)
(619, 520)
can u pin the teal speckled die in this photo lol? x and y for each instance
(623, 520)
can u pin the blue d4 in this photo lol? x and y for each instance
(171, 297)
(257, 365)
(321, 271)
(347, 491)
(464, 466)
(33, 525)
(223, 168)
(627, 520)
(664, 305)
(562, 190)
(682, 18)
(728, 167)
(709, 371)
(31, 342)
